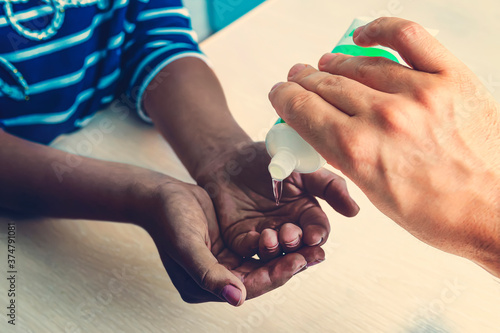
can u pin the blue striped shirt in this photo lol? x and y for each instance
(104, 50)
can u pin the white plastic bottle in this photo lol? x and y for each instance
(290, 152)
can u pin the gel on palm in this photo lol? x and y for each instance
(288, 150)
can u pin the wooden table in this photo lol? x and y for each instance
(82, 276)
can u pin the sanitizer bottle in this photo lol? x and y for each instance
(289, 152)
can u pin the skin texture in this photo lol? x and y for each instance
(421, 142)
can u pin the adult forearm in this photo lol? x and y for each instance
(189, 108)
(41, 180)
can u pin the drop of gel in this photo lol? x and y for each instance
(277, 190)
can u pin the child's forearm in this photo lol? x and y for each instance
(40, 180)
(189, 108)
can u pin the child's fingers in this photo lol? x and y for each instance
(269, 246)
(331, 188)
(260, 279)
(290, 236)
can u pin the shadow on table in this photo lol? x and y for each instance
(428, 324)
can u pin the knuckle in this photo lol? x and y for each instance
(343, 185)
(363, 69)
(353, 146)
(299, 102)
(328, 83)
(409, 32)
(207, 281)
(423, 96)
(392, 119)
(373, 29)
(429, 94)
(333, 83)
(356, 151)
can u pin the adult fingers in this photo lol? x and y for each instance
(375, 72)
(415, 45)
(331, 188)
(347, 95)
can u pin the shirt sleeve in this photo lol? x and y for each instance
(158, 33)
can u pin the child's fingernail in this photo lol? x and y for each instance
(295, 69)
(232, 295)
(276, 85)
(293, 243)
(300, 269)
(318, 242)
(319, 261)
(274, 247)
(325, 59)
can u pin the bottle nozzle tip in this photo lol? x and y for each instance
(282, 165)
(277, 172)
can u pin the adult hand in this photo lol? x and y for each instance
(183, 224)
(421, 142)
(241, 188)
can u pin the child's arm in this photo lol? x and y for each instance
(42, 180)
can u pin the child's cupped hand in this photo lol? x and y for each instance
(183, 224)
